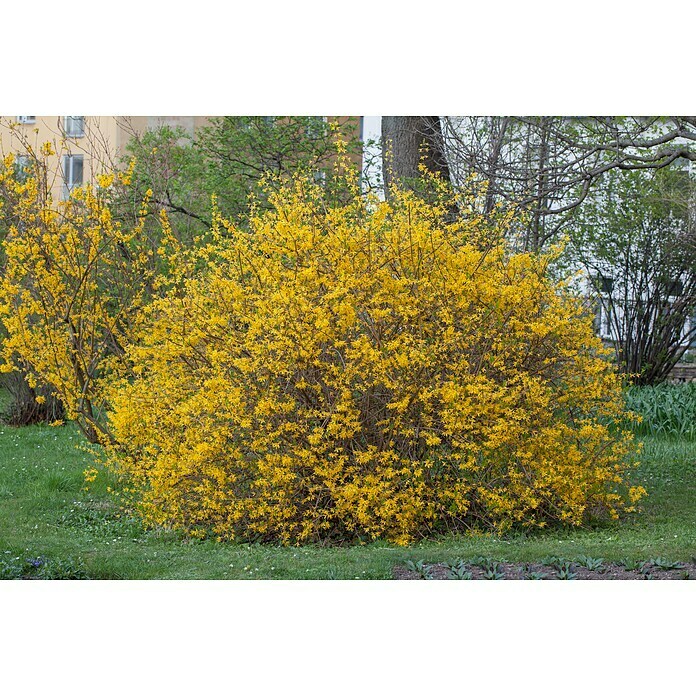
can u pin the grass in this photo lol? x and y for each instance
(51, 528)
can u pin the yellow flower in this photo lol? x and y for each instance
(105, 180)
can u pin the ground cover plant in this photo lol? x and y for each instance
(665, 409)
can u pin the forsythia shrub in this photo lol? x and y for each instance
(367, 370)
(74, 282)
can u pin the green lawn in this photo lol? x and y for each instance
(45, 515)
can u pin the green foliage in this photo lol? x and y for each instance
(166, 162)
(421, 568)
(554, 561)
(458, 571)
(591, 563)
(665, 409)
(664, 564)
(644, 569)
(493, 572)
(564, 571)
(229, 159)
(100, 519)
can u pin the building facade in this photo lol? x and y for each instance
(84, 146)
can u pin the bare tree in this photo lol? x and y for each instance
(546, 165)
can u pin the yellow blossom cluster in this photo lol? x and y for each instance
(363, 370)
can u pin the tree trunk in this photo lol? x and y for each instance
(406, 142)
(23, 408)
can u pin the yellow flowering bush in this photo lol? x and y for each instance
(74, 280)
(367, 370)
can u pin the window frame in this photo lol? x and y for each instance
(68, 165)
(72, 120)
(22, 163)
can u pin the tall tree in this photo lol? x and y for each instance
(408, 142)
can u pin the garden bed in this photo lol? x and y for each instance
(549, 569)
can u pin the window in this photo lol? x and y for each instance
(74, 126)
(26, 119)
(72, 173)
(603, 284)
(603, 320)
(315, 127)
(22, 167)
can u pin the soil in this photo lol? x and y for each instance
(525, 571)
